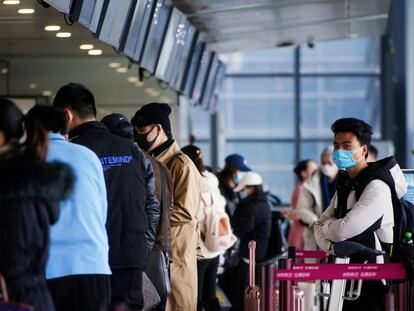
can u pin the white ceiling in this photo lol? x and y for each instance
(228, 25)
(24, 35)
(234, 25)
(36, 56)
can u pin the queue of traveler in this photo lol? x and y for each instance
(114, 215)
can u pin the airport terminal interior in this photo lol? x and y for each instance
(264, 79)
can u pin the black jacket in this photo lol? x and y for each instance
(252, 220)
(133, 209)
(29, 203)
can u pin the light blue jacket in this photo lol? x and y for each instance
(79, 242)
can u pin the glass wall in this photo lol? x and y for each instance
(336, 79)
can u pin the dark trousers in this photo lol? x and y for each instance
(372, 298)
(207, 280)
(89, 292)
(126, 285)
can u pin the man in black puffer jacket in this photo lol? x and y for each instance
(133, 209)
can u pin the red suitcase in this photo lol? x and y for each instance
(253, 294)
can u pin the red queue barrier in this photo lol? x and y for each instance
(311, 254)
(290, 272)
(314, 272)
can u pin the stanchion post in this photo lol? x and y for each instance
(285, 288)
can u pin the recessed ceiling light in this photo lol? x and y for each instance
(353, 35)
(139, 83)
(52, 28)
(26, 11)
(63, 35)
(95, 52)
(132, 79)
(122, 69)
(165, 99)
(114, 65)
(155, 94)
(32, 86)
(11, 2)
(86, 46)
(4, 71)
(47, 93)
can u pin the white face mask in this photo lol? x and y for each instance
(329, 170)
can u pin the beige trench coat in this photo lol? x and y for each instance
(184, 229)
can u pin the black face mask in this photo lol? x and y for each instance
(142, 141)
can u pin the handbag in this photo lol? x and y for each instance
(158, 264)
(150, 294)
(5, 304)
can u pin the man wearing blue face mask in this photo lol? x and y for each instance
(365, 216)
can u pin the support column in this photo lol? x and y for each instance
(409, 60)
(217, 139)
(297, 109)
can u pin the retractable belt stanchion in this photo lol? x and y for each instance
(290, 272)
(269, 300)
(285, 291)
(312, 300)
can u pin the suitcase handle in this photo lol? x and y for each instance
(252, 263)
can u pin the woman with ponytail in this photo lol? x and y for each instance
(30, 192)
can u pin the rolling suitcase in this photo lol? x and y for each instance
(298, 299)
(253, 293)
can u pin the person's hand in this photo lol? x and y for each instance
(290, 214)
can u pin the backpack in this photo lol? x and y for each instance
(403, 209)
(217, 234)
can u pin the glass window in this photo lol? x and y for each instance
(260, 61)
(258, 107)
(273, 160)
(200, 122)
(205, 147)
(266, 154)
(338, 79)
(327, 99)
(345, 56)
(279, 182)
(313, 149)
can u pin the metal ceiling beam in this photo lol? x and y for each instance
(260, 6)
(263, 31)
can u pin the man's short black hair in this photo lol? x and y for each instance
(361, 129)
(78, 98)
(51, 118)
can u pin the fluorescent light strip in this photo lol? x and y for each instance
(52, 28)
(26, 11)
(63, 35)
(11, 2)
(132, 79)
(86, 46)
(114, 65)
(122, 69)
(95, 52)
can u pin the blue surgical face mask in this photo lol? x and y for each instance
(243, 195)
(238, 177)
(344, 159)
